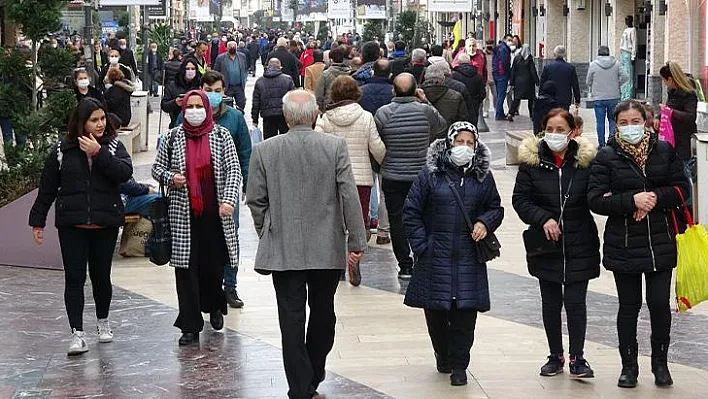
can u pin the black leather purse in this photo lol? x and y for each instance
(489, 247)
(161, 251)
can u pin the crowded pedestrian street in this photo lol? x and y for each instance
(381, 348)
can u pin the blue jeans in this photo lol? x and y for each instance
(604, 109)
(230, 272)
(502, 82)
(374, 202)
(7, 133)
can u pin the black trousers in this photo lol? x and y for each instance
(199, 287)
(273, 126)
(79, 247)
(553, 297)
(452, 334)
(239, 95)
(395, 195)
(629, 292)
(304, 355)
(517, 102)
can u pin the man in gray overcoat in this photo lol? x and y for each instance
(294, 179)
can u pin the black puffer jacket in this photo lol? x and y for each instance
(683, 119)
(173, 90)
(118, 101)
(647, 245)
(538, 198)
(476, 88)
(268, 93)
(83, 195)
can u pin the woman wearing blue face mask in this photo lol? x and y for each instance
(449, 281)
(633, 181)
(562, 245)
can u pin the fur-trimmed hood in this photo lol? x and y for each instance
(438, 162)
(580, 148)
(125, 85)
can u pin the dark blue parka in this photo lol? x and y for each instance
(447, 269)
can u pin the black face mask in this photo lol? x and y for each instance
(232, 51)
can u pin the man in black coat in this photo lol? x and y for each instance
(253, 48)
(127, 57)
(379, 91)
(268, 99)
(400, 59)
(476, 86)
(565, 78)
(155, 65)
(290, 65)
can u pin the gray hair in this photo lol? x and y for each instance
(231, 44)
(437, 72)
(274, 63)
(559, 51)
(464, 58)
(300, 108)
(282, 42)
(603, 51)
(418, 55)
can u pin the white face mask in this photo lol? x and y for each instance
(461, 155)
(512, 47)
(82, 83)
(556, 141)
(190, 74)
(195, 116)
(123, 47)
(113, 60)
(632, 134)
(107, 86)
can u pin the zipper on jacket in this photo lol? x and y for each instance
(651, 244)
(560, 222)
(455, 257)
(668, 229)
(626, 232)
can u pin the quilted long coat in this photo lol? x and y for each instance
(227, 176)
(447, 267)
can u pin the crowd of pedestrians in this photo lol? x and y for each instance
(393, 144)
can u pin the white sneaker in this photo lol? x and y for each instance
(105, 334)
(78, 344)
(485, 114)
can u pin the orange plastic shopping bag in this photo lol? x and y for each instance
(692, 267)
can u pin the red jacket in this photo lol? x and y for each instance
(222, 50)
(479, 61)
(306, 59)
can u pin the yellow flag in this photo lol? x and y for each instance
(457, 31)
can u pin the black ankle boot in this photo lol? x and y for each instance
(189, 339)
(630, 367)
(659, 364)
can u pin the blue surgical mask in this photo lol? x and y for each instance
(214, 98)
(632, 134)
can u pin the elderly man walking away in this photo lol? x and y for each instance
(268, 99)
(605, 79)
(234, 66)
(405, 126)
(305, 267)
(565, 77)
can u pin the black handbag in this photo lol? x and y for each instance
(161, 251)
(489, 247)
(535, 241)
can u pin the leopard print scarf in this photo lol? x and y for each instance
(638, 152)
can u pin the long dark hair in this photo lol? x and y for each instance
(82, 113)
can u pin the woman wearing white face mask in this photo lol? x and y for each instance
(634, 181)
(198, 163)
(113, 57)
(83, 87)
(187, 78)
(449, 282)
(562, 244)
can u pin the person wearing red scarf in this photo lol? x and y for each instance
(204, 177)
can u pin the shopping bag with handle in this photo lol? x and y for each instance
(256, 135)
(666, 129)
(692, 266)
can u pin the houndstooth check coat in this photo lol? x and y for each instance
(227, 176)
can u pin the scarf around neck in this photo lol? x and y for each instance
(197, 152)
(638, 152)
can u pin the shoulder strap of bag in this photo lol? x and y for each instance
(566, 196)
(170, 144)
(461, 204)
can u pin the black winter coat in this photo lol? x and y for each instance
(476, 89)
(538, 198)
(171, 70)
(418, 72)
(375, 94)
(174, 90)
(290, 65)
(399, 64)
(524, 78)
(83, 195)
(118, 101)
(541, 107)
(447, 267)
(650, 244)
(683, 120)
(565, 77)
(269, 92)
